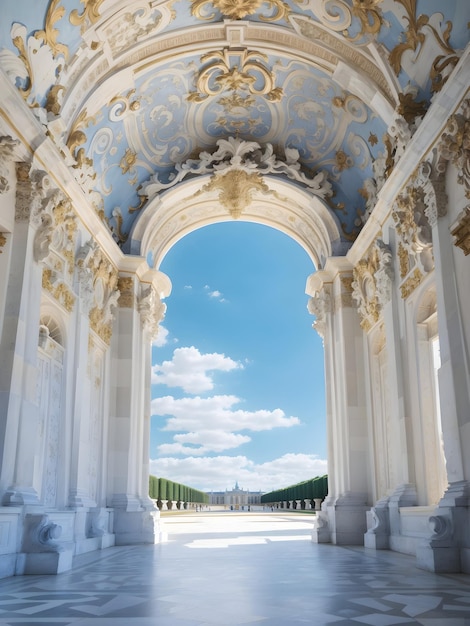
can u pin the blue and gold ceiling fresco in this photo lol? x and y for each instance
(132, 88)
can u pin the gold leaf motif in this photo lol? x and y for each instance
(404, 259)
(410, 109)
(234, 101)
(126, 287)
(77, 137)
(370, 16)
(124, 104)
(343, 161)
(411, 283)
(142, 201)
(91, 13)
(61, 293)
(3, 241)
(238, 9)
(461, 231)
(373, 139)
(415, 37)
(221, 74)
(128, 161)
(20, 46)
(52, 101)
(236, 189)
(49, 34)
(389, 161)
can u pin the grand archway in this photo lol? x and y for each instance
(125, 125)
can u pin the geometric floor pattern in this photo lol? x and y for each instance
(238, 569)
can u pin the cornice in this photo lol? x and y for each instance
(445, 103)
(266, 38)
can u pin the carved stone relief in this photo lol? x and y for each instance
(373, 277)
(105, 288)
(320, 305)
(32, 186)
(460, 230)
(414, 238)
(152, 310)
(455, 144)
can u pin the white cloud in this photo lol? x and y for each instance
(162, 337)
(215, 293)
(222, 472)
(188, 287)
(203, 442)
(189, 369)
(217, 414)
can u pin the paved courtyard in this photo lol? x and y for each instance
(234, 569)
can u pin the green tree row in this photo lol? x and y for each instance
(162, 489)
(308, 489)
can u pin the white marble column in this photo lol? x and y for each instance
(140, 310)
(18, 350)
(79, 488)
(344, 510)
(448, 549)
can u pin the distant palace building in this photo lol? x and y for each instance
(236, 498)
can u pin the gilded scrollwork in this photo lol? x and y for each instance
(91, 14)
(419, 28)
(77, 136)
(364, 17)
(223, 74)
(3, 241)
(49, 35)
(240, 9)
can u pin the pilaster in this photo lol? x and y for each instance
(448, 548)
(139, 312)
(18, 349)
(343, 516)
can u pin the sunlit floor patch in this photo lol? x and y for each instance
(241, 541)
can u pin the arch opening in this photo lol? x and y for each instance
(240, 396)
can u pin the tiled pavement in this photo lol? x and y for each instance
(233, 569)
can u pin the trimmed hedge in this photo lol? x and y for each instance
(164, 489)
(307, 489)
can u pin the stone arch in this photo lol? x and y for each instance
(288, 208)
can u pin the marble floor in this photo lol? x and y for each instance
(234, 569)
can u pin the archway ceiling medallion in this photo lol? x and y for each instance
(137, 109)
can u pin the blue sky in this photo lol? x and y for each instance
(238, 391)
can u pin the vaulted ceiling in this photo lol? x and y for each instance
(132, 91)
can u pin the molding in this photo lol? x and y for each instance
(446, 102)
